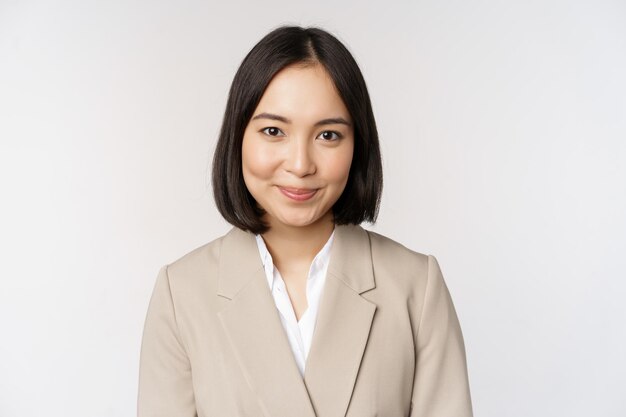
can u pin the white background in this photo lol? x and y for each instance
(503, 131)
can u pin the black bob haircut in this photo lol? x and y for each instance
(284, 46)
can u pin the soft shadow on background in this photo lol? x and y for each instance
(503, 131)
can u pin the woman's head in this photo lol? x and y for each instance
(289, 60)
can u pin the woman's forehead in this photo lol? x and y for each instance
(303, 94)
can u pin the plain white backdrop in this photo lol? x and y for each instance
(503, 131)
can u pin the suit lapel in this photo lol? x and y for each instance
(343, 323)
(252, 324)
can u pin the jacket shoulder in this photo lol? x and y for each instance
(196, 267)
(406, 267)
(384, 246)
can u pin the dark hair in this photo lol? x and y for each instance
(284, 46)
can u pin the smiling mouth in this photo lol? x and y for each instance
(298, 194)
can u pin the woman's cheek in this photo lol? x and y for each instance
(341, 165)
(259, 160)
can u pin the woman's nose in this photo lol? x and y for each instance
(299, 159)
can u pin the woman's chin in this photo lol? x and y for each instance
(296, 221)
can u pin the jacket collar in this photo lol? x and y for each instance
(350, 260)
(252, 324)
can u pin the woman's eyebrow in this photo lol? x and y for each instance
(329, 121)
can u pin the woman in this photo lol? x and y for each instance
(298, 311)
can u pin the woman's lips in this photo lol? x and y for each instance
(298, 194)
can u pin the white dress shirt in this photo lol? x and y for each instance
(299, 333)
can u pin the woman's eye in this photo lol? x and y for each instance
(330, 135)
(272, 131)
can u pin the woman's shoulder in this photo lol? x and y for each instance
(384, 247)
(199, 256)
(398, 265)
(199, 262)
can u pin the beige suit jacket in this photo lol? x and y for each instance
(387, 340)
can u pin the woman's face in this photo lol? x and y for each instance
(297, 148)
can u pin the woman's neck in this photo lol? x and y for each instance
(299, 245)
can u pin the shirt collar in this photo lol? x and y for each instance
(320, 262)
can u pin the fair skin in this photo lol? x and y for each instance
(296, 157)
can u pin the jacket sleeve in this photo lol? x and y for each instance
(440, 386)
(165, 385)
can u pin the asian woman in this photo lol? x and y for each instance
(298, 311)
